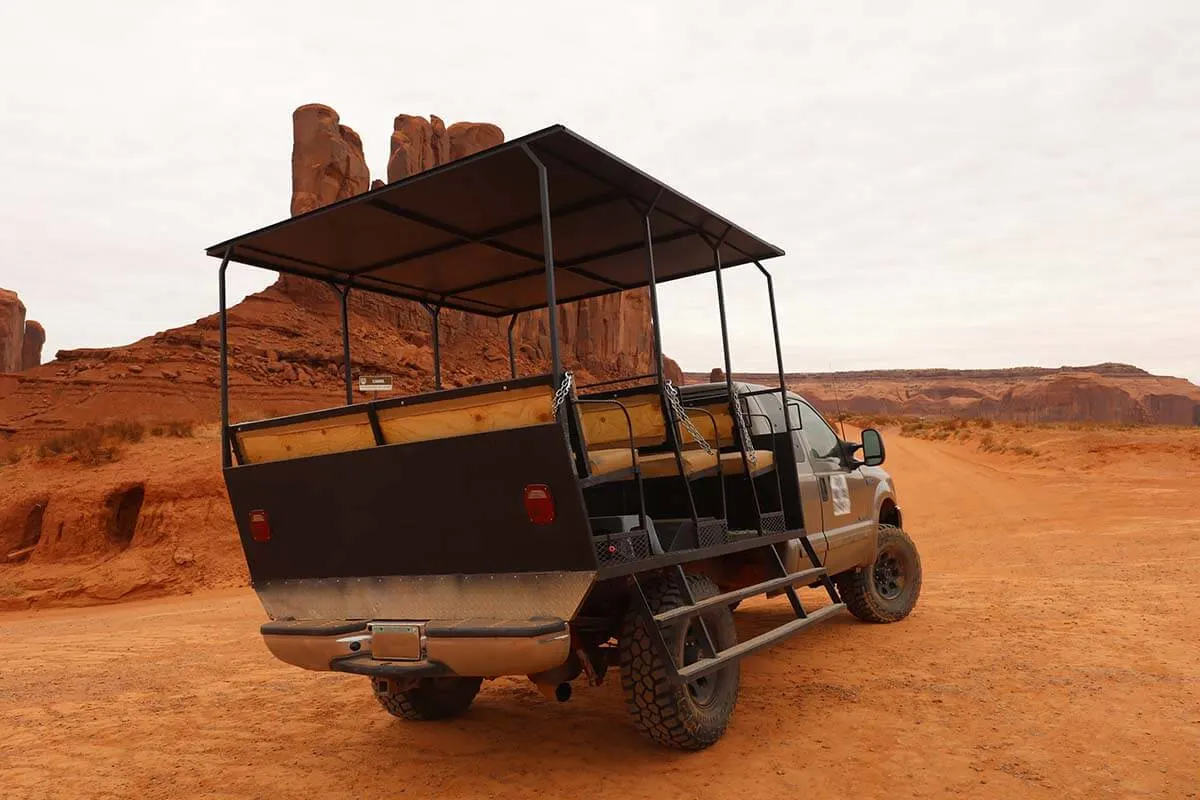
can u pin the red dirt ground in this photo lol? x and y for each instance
(1053, 655)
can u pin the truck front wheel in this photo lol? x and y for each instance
(690, 716)
(887, 590)
(429, 699)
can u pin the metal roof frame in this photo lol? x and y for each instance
(420, 231)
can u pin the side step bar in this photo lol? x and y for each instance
(704, 666)
(804, 576)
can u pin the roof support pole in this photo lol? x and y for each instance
(724, 326)
(655, 327)
(656, 330)
(223, 346)
(435, 328)
(734, 407)
(548, 256)
(344, 292)
(783, 399)
(512, 353)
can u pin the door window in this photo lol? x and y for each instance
(822, 441)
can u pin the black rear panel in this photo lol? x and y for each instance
(446, 506)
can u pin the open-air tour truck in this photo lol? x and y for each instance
(534, 526)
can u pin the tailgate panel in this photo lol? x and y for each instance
(443, 507)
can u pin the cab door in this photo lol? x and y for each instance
(846, 501)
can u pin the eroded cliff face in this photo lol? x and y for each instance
(1117, 393)
(12, 330)
(21, 340)
(285, 342)
(31, 345)
(608, 334)
(327, 159)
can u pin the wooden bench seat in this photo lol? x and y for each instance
(606, 432)
(479, 410)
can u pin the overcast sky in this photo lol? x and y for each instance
(956, 184)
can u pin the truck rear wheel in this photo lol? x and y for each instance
(887, 590)
(689, 716)
(430, 699)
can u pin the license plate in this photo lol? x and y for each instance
(395, 640)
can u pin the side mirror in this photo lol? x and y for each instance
(872, 448)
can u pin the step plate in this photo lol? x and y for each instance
(707, 665)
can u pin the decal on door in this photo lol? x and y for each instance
(840, 494)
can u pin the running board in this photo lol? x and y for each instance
(726, 598)
(704, 666)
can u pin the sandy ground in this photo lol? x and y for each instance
(1055, 653)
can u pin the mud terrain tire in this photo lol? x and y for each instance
(688, 716)
(432, 698)
(887, 590)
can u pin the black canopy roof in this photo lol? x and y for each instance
(468, 234)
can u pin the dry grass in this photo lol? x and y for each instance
(985, 432)
(176, 430)
(101, 444)
(91, 445)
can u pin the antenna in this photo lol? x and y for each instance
(837, 401)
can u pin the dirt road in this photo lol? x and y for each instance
(1055, 653)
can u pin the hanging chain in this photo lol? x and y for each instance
(563, 391)
(747, 445)
(681, 415)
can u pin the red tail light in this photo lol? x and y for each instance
(539, 504)
(260, 528)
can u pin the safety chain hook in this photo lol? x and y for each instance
(563, 391)
(747, 444)
(681, 415)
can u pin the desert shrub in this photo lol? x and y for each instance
(176, 430)
(1024, 450)
(124, 430)
(88, 445)
(93, 444)
(990, 444)
(984, 422)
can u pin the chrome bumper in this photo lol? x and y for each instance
(470, 648)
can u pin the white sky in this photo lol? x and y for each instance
(956, 184)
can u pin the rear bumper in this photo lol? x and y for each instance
(470, 648)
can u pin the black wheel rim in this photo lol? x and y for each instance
(889, 573)
(703, 689)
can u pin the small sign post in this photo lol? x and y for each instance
(374, 383)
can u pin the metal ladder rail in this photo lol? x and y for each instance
(713, 659)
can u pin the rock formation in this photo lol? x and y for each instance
(12, 330)
(21, 340)
(327, 159)
(717, 375)
(604, 334)
(1115, 393)
(419, 144)
(31, 346)
(468, 138)
(412, 147)
(673, 372)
